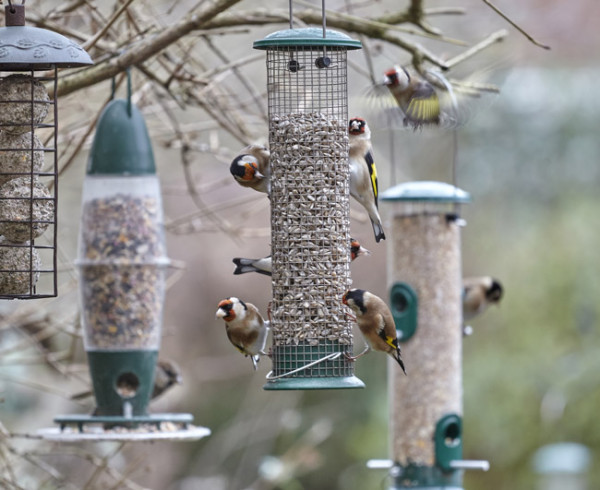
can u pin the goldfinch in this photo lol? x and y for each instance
(166, 375)
(251, 168)
(479, 293)
(416, 98)
(375, 322)
(246, 329)
(357, 250)
(363, 173)
(264, 265)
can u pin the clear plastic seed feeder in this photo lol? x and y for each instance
(122, 262)
(29, 61)
(308, 138)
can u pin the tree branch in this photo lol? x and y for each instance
(142, 50)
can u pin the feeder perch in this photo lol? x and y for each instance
(29, 61)
(122, 262)
(424, 263)
(310, 220)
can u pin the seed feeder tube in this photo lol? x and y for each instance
(310, 212)
(424, 276)
(122, 263)
(29, 61)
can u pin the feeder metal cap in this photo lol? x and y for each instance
(121, 145)
(25, 48)
(425, 190)
(306, 38)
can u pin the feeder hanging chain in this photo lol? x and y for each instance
(10, 3)
(328, 357)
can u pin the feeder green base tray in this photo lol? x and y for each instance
(327, 383)
(159, 426)
(417, 477)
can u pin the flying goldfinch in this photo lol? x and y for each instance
(246, 329)
(363, 173)
(478, 294)
(251, 168)
(264, 265)
(416, 98)
(375, 322)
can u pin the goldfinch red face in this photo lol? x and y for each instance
(357, 126)
(225, 310)
(245, 167)
(354, 299)
(397, 77)
(356, 249)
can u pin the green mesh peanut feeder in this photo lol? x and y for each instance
(424, 275)
(308, 138)
(29, 61)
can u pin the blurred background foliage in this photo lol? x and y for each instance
(529, 158)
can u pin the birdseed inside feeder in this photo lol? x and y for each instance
(425, 275)
(122, 259)
(308, 139)
(29, 62)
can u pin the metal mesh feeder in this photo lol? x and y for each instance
(425, 296)
(29, 61)
(308, 138)
(122, 263)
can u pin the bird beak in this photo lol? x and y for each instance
(363, 251)
(179, 379)
(221, 313)
(344, 300)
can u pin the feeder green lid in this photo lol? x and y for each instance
(121, 145)
(306, 38)
(425, 190)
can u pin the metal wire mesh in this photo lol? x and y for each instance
(308, 113)
(28, 186)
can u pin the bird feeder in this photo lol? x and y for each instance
(122, 262)
(424, 277)
(562, 465)
(310, 211)
(29, 61)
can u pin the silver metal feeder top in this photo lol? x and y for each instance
(24, 48)
(426, 190)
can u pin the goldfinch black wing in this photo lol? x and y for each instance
(372, 175)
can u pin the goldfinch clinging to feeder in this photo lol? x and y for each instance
(251, 168)
(416, 98)
(375, 322)
(363, 173)
(357, 250)
(246, 329)
(264, 265)
(478, 294)
(166, 375)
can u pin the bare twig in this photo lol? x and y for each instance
(89, 44)
(477, 48)
(512, 23)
